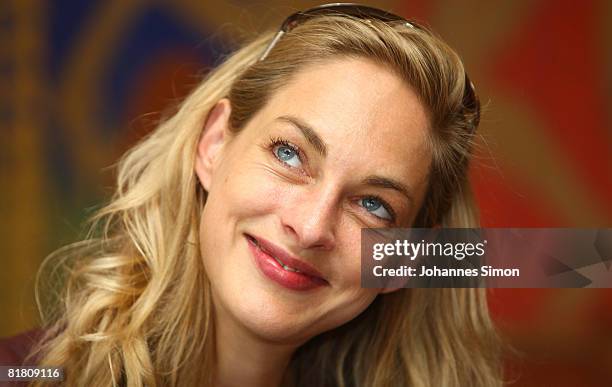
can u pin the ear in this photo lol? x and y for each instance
(212, 140)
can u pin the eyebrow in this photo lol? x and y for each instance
(308, 132)
(385, 182)
(319, 145)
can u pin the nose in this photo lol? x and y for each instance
(311, 218)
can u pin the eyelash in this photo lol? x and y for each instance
(387, 207)
(276, 141)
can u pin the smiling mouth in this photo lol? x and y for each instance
(282, 267)
(256, 243)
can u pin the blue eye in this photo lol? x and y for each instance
(376, 207)
(288, 155)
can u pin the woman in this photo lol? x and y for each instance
(229, 255)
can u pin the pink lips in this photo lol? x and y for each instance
(296, 275)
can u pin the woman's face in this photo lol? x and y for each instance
(340, 148)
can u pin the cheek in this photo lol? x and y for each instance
(242, 188)
(249, 193)
(348, 269)
(351, 305)
(350, 298)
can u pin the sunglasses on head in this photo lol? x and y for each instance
(470, 99)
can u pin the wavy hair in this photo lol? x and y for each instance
(135, 308)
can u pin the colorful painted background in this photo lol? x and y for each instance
(80, 81)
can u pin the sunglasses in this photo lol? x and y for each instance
(470, 99)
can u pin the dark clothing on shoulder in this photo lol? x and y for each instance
(14, 350)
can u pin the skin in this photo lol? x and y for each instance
(312, 206)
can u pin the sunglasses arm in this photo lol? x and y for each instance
(277, 37)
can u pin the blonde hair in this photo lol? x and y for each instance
(136, 306)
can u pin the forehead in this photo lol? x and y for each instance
(361, 110)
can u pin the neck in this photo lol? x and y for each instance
(244, 359)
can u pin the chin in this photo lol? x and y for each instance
(284, 321)
(275, 320)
